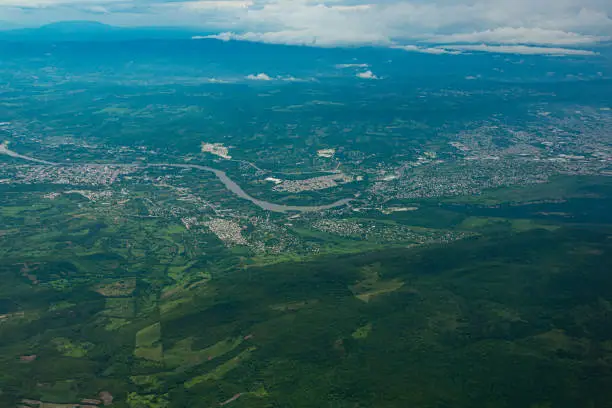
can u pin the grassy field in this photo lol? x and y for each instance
(148, 345)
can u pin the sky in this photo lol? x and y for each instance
(448, 26)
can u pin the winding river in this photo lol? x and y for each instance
(221, 175)
(236, 189)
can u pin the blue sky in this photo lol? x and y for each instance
(508, 23)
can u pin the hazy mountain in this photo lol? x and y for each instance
(93, 31)
(7, 25)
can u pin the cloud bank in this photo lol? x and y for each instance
(522, 49)
(511, 35)
(427, 50)
(552, 23)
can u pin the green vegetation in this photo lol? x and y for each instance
(362, 332)
(511, 311)
(470, 268)
(560, 188)
(147, 401)
(148, 344)
(182, 353)
(493, 223)
(72, 349)
(220, 371)
(371, 285)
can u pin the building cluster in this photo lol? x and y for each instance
(326, 153)
(79, 175)
(227, 230)
(269, 237)
(467, 178)
(312, 184)
(377, 232)
(94, 196)
(189, 222)
(344, 228)
(492, 156)
(218, 149)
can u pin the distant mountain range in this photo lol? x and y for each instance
(93, 31)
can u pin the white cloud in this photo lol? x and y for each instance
(217, 81)
(304, 37)
(341, 66)
(347, 22)
(259, 77)
(521, 35)
(265, 77)
(521, 49)
(98, 9)
(384, 22)
(213, 5)
(367, 75)
(427, 50)
(291, 78)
